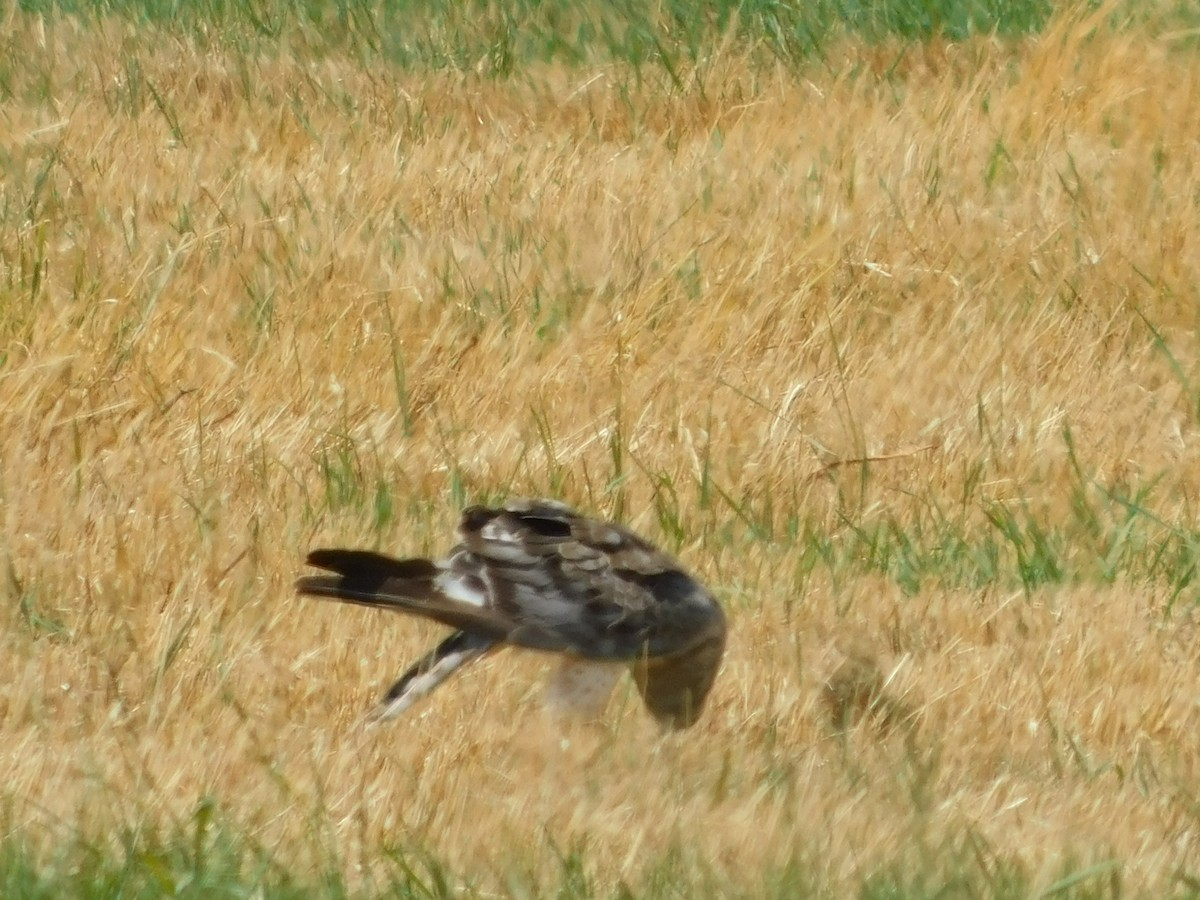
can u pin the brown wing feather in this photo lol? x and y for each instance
(575, 584)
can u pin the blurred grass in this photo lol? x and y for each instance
(900, 354)
(207, 856)
(503, 38)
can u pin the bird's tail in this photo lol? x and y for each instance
(417, 587)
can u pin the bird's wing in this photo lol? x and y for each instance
(578, 585)
(454, 653)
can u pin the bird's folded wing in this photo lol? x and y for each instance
(576, 585)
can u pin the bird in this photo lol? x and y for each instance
(537, 574)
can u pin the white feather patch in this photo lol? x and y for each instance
(459, 587)
(506, 551)
(494, 531)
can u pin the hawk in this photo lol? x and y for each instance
(538, 574)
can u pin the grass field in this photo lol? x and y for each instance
(889, 326)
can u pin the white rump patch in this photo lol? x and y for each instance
(457, 586)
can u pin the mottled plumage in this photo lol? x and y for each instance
(537, 574)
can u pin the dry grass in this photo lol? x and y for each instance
(250, 305)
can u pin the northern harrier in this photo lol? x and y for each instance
(537, 574)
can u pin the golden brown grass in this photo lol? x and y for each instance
(251, 305)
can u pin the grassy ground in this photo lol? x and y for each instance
(894, 341)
